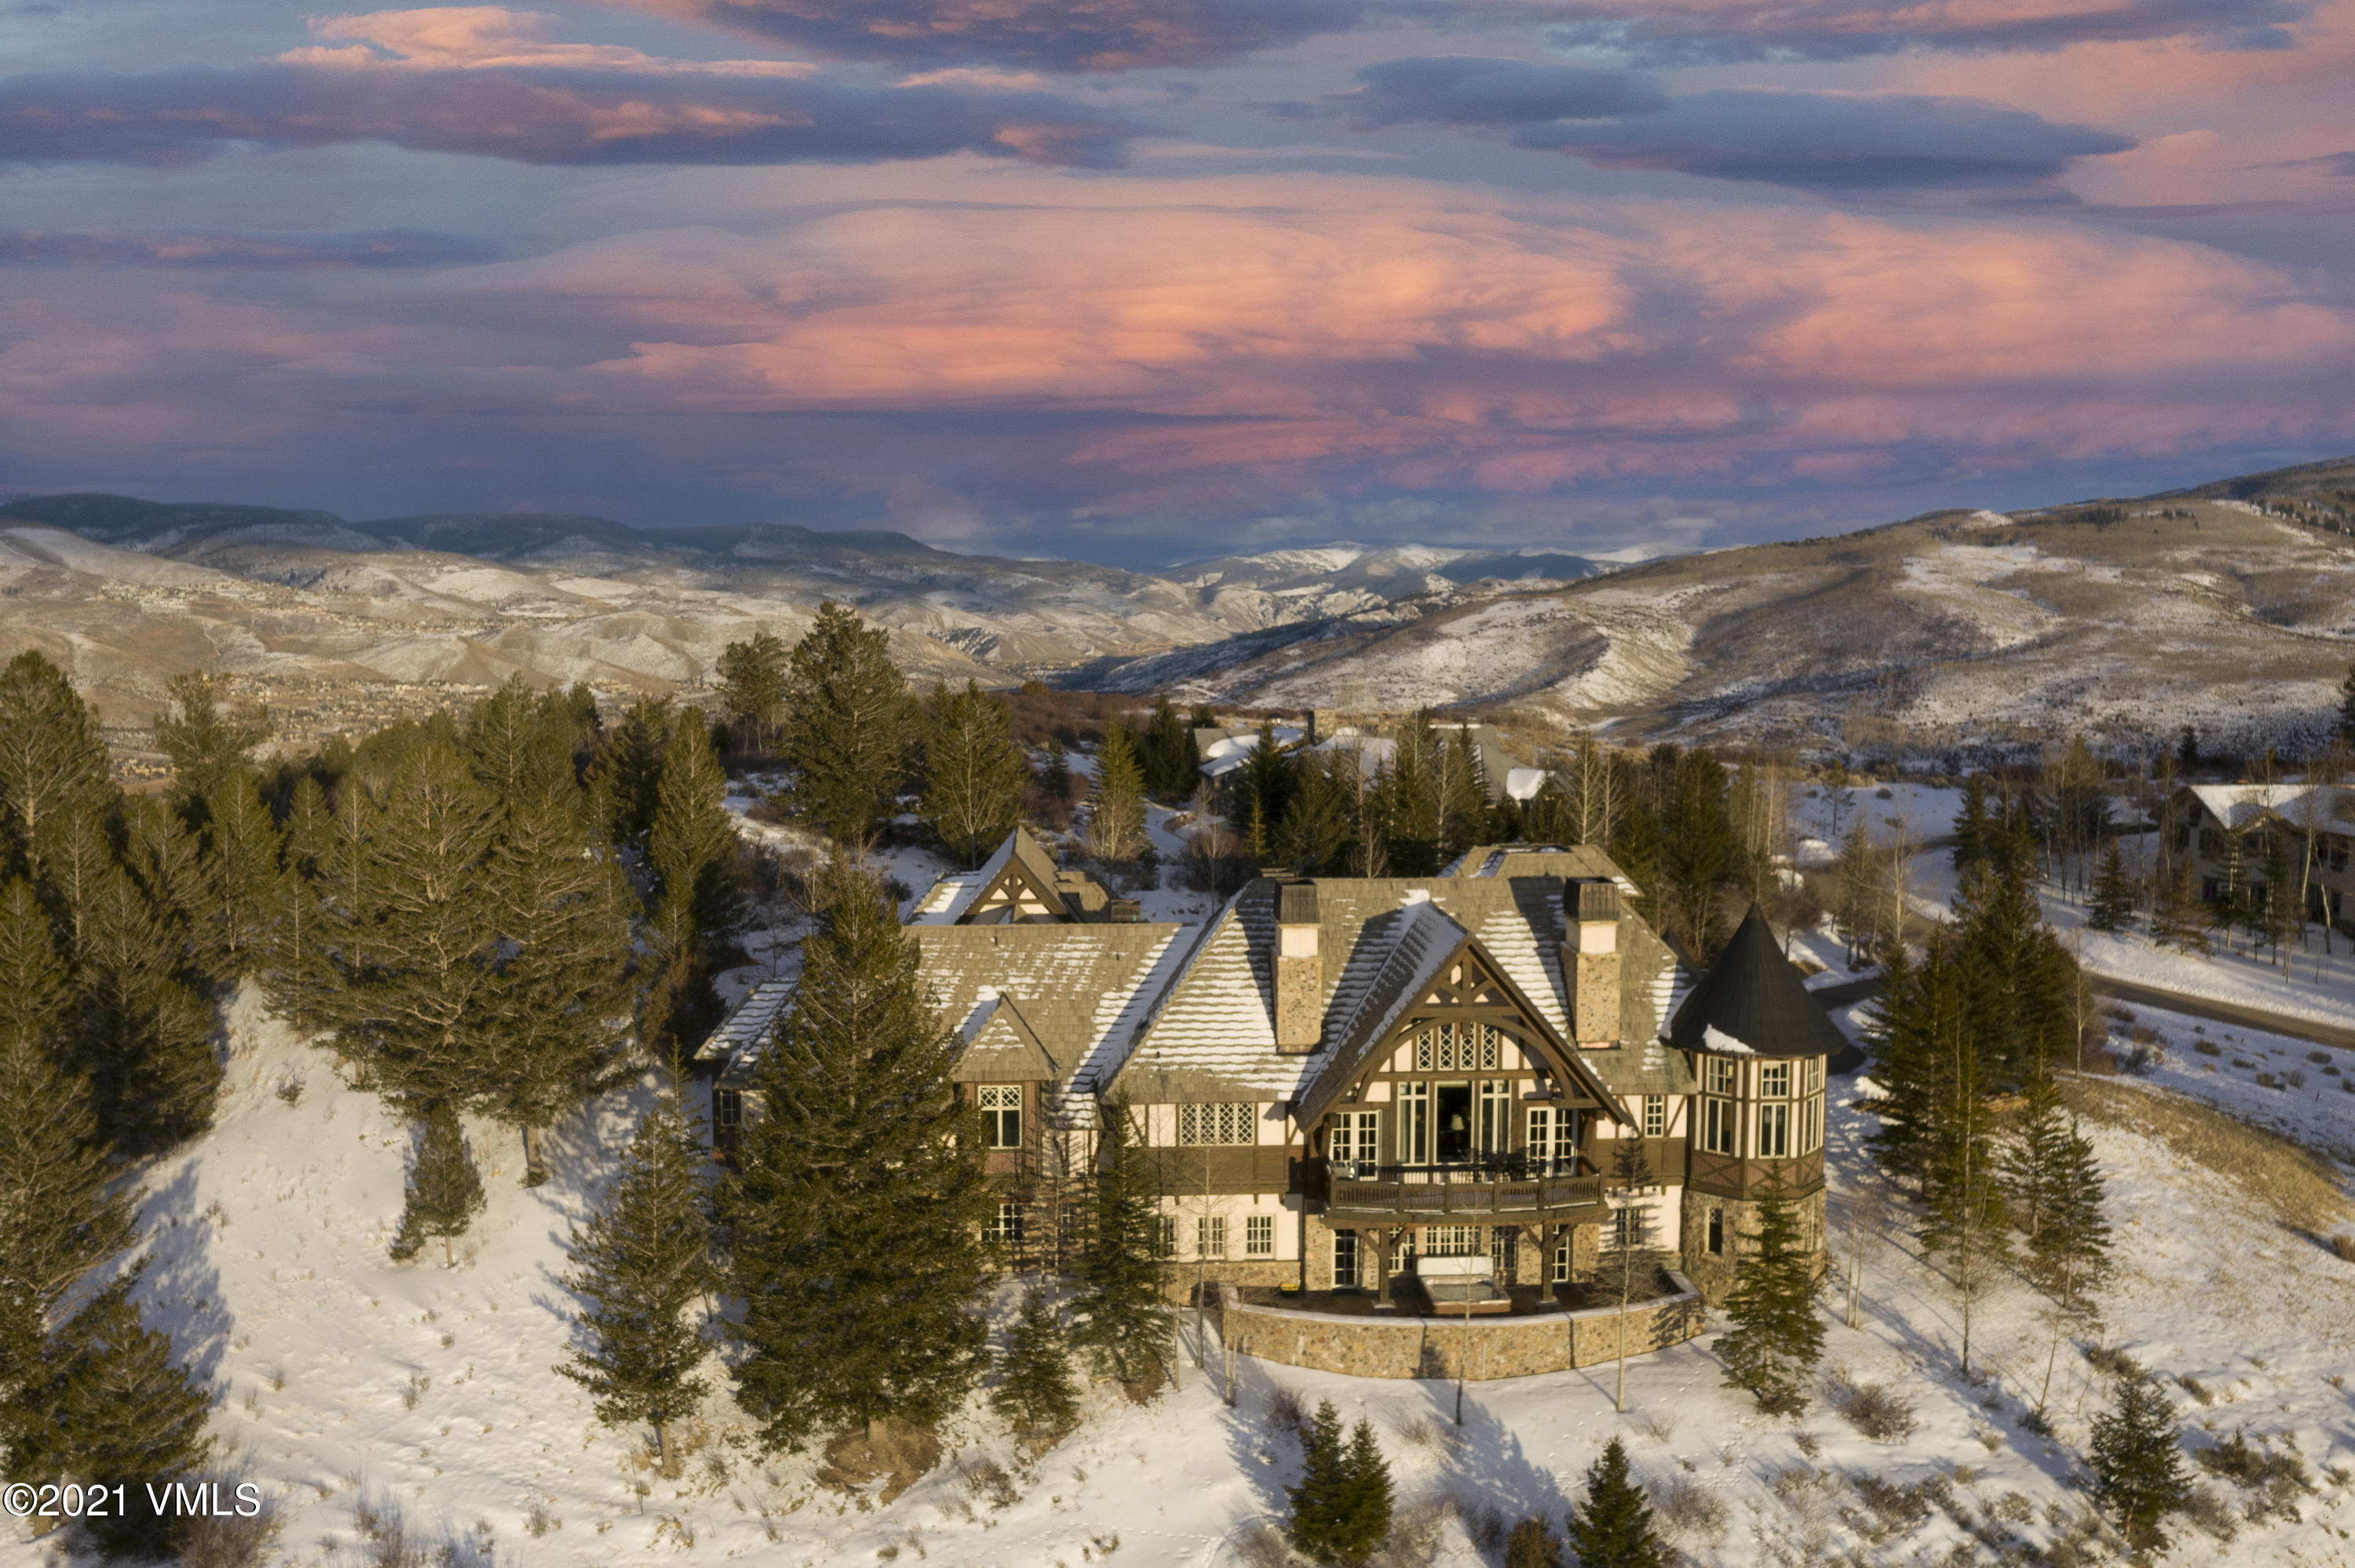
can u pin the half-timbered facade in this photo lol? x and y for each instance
(1339, 1077)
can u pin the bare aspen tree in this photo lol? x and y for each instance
(1593, 788)
(1868, 1216)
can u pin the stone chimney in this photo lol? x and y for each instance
(1299, 969)
(1590, 959)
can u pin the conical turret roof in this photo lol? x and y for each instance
(1753, 1003)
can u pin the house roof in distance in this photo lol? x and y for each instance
(1753, 1003)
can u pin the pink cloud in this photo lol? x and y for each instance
(476, 38)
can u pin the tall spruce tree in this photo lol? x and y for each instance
(51, 758)
(58, 1216)
(1116, 805)
(1776, 1339)
(296, 974)
(2054, 1188)
(858, 1194)
(418, 1004)
(240, 869)
(145, 1041)
(1123, 1319)
(1035, 1392)
(643, 1260)
(560, 1002)
(692, 843)
(510, 734)
(1971, 824)
(112, 1408)
(1965, 1225)
(1697, 853)
(2136, 1457)
(444, 1191)
(627, 774)
(1613, 1528)
(1318, 1501)
(974, 772)
(2113, 905)
(848, 725)
(1361, 1524)
(1167, 754)
(207, 740)
(752, 679)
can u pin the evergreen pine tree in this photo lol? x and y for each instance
(644, 1259)
(1855, 907)
(2138, 1462)
(560, 1004)
(1777, 1337)
(240, 875)
(206, 741)
(1167, 754)
(416, 1004)
(2347, 706)
(2187, 744)
(1318, 1500)
(974, 772)
(1116, 805)
(1315, 838)
(295, 971)
(1034, 1392)
(1971, 826)
(146, 1037)
(1123, 1321)
(1058, 770)
(1361, 1523)
(1965, 1225)
(1262, 785)
(848, 725)
(164, 857)
(51, 758)
(1614, 1530)
(2113, 904)
(58, 1217)
(2069, 1256)
(629, 769)
(692, 843)
(2177, 920)
(753, 683)
(112, 1408)
(1697, 853)
(444, 1190)
(1533, 1545)
(858, 1194)
(2031, 1157)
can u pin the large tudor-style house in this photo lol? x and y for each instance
(2234, 833)
(1338, 1076)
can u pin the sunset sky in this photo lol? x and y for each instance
(1135, 280)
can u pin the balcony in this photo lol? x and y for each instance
(1552, 1192)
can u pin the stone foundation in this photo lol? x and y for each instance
(1712, 1274)
(1487, 1348)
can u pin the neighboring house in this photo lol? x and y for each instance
(1020, 885)
(1339, 1077)
(2230, 831)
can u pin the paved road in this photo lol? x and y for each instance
(2139, 995)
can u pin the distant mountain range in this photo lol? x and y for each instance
(2228, 606)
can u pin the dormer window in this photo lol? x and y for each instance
(1001, 1114)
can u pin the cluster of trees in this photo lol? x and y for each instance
(1613, 1529)
(120, 918)
(855, 1199)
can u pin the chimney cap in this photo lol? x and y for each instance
(1296, 904)
(1589, 901)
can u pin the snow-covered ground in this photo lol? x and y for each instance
(348, 1382)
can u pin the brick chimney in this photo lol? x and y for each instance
(1590, 959)
(1299, 969)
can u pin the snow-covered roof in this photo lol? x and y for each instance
(747, 1023)
(1214, 1036)
(1523, 783)
(2239, 805)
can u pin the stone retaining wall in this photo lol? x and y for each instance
(1402, 1347)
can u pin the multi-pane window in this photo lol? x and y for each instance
(1344, 1260)
(1414, 1124)
(1717, 1126)
(1562, 1257)
(1775, 1130)
(1259, 1235)
(1001, 1114)
(1553, 1138)
(1626, 1225)
(1774, 1081)
(1355, 1140)
(1505, 1250)
(1165, 1239)
(1813, 1081)
(1228, 1122)
(1717, 1232)
(1495, 1116)
(1717, 1075)
(1811, 1123)
(1655, 1115)
(1211, 1235)
(1458, 1048)
(1006, 1228)
(1451, 1241)
(728, 1109)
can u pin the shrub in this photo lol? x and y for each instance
(1533, 1545)
(1284, 1411)
(2196, 1389)
(1889, 1510)
(227, 1540)
(2254, 1466)
(1688, 1511)
(2208, 1047)
(2318, 1056)
(1873, 1409)
(2342, 1246)
(2117, 1364)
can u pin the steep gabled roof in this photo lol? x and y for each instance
(1426, 945)
(2242, 806)
(1002, 1048)
(747, 1023)
(1019, 858)
(1753, 1003)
